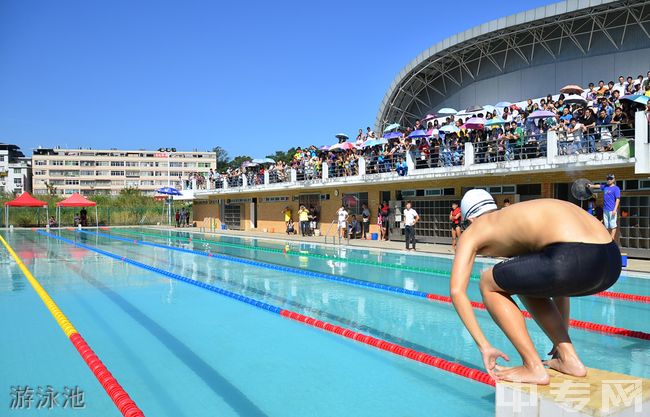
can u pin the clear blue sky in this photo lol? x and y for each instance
(250, 77)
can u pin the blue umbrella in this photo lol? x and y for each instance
(418, 134)
(168, 191)
(375, 142)
(392, 135)
(263, 161)
(503, 104)
(495, 121)
(636, 98)
(449, 129)
(447, 110)
(390, 127)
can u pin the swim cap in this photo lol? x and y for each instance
(476, 202)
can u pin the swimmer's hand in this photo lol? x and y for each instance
(490, 356)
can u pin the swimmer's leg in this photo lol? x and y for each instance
(563, 306)
(508, 317)
(551, 320)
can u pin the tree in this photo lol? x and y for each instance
(238, 160)
(283, 156)
(221, 156)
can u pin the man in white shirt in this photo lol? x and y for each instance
(411, 217)
(621, 85)
(342, 215)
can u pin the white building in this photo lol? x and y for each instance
(15, 170)
(108, 171)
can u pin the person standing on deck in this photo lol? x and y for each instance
(564, 253)
(611, 203)
(411, 217)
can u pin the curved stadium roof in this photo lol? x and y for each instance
(573, 29)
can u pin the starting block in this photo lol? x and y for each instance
(599, 394)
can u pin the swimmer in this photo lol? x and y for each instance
(564, 253)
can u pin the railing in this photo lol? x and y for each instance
(335, 221)
(386, 162)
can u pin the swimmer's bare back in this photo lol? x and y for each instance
(530, 226)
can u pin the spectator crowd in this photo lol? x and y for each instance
(585, 120)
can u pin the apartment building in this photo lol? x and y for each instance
(15, 170)
(106, 172)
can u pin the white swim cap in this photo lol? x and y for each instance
(476, 202)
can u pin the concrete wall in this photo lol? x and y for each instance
(547, 78)
(270, 214)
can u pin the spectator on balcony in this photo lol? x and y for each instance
(360, 138)
(401, 167)
(603, 134)
(369, 134)
(646, 82)
(342, 221)
(589, 123)
(620, 86)
(575, 137)
(619, 122)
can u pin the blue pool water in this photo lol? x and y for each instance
(180, 350)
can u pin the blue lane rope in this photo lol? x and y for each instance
(310, 274)
(209, 287)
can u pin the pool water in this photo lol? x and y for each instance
(180, 350)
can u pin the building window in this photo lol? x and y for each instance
(18, 181)
(57, 163)
(117, 163)
(117, 173)
(354, 201)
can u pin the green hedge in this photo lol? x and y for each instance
(128, 208)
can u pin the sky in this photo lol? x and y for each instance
(251, 77)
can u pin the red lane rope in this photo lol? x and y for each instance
(394, 348)
(624, 296)
(603, 328)
(124, 403)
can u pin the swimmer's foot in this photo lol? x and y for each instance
(571, 366)
(524, 374)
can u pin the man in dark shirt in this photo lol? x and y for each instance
(589, 122)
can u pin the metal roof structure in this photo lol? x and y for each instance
(542, 35)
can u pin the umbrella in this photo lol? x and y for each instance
(490, 108)
(622, 148)
(572, 89)
(263, 161)
(475, 123)
(375, 142)
(575, 99)
(247, 164)
(324, 148)
(429, 116)
(503, 104)
(447, 110)
(449, 129)
(393, 135)
(418, 134)
(345, 146)
(636, 98)
(341, 136)
(471, 109)
(495, 121)
(541, 114)
(390, 127)
(168, 191)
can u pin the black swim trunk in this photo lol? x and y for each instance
(561, 269)
(454, 226)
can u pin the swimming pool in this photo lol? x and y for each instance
(179, 349)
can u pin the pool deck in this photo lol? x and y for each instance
(633, 265)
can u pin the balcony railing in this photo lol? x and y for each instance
(552, 148)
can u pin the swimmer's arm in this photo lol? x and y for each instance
(460, 275)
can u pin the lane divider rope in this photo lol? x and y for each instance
(606, 294)
(385, 265)
(579, 324)
(455, 368)
(120, 397)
